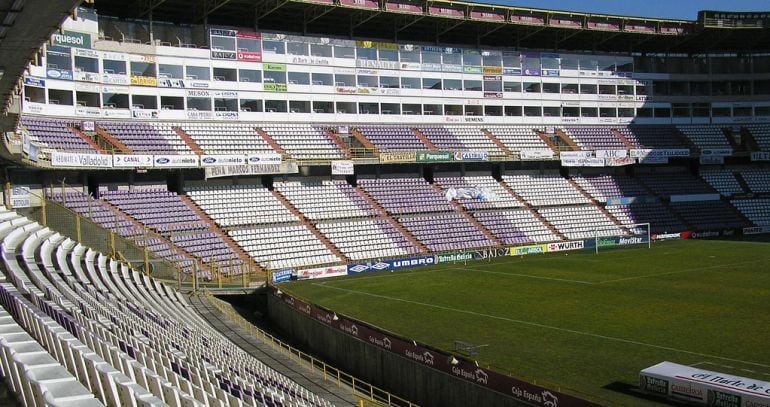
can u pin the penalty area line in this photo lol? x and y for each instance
(543, 326)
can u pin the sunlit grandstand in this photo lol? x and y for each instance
(197, 191)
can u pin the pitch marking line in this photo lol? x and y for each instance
(543, 326)
(716, 266)
(502, 273)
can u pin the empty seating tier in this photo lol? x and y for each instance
(55, 134)
(304, 141)
(705, 136)
(405, 195)
(545, 189)
(238, 205)
(283, 246)
(580, 222)
(446, 231)
(723, 181)
(494, 195)
(515, 226)
(661, 220)
(325, 199)
(594, 138)
(147, 138)
(367, 239)
(517, 138)
(756, 210)
(603, 187)
(227, 138)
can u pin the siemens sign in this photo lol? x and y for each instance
(72, 39)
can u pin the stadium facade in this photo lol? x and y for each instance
(398, 131)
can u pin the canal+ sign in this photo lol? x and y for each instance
(71, 39)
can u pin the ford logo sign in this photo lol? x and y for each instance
(52, 73)
(254, 159)
(209, 160)
(162, 160)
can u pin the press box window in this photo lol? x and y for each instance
(202, 104)
(170, 71)
(249, 75)
(251, 105)
(275, 106)
(143, 69)
(201, 73)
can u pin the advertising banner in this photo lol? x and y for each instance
(242, 170)
(34, 152)
(619, 162)
(82, 160)
(611, 153)
(614, 241)
(132, 161)
(566, 246)
(71, 39)
(491, 253)
(533, 249)
(394, 264)
(175, 161)
(55, 73)
(20, 197)
(434, 156)
(471, 156)
(280, 276)
(756, 230)
(536, 153)
(720, 152)
(582, 162)
(454, 257)
(220, 160)
(760, 156)
(264, 158)
(457, 367)
(322, 272)
(398, 157)
(711, 160)
(703, 386)
(672, 152)
(576, 154)
(342, 167)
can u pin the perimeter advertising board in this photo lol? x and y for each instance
(457, 367)
(700, 386)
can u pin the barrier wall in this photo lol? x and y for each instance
(415, 371)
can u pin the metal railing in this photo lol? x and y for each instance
(367, 394)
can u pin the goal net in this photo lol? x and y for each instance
(622, 236)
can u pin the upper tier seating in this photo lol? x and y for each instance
(758, 180)
(167, 213)
(761, 134)
(705, 137)
(460, 138)
(498, 195)
(708, 215)
(157, 208)
(594, 137)
(723, 181)
(405, 195)
(580, 222)
(325, 199)
(515, 226)
(544, 189)
(55, 134)
(647, 136)
(674, 183)
(603, 187)
(227, 138)
(147, 138)
(304, 141)
(236, 205)
(126, 339)
(392, 138)
(445, 231)
(517, 138)
(661, 220)
(283, 246)
(367, 238)
(756, 210)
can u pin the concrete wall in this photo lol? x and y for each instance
(413, 381)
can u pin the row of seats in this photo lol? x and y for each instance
(125, 339)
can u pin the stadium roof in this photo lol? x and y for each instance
(24, 26)
(455, 22)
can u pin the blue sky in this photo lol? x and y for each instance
(676, 9)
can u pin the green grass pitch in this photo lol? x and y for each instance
(581, 323)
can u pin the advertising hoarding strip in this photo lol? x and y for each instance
(424, 355)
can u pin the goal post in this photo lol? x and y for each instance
(631, 234)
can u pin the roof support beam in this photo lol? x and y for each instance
(268, 7)
(145, 7)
